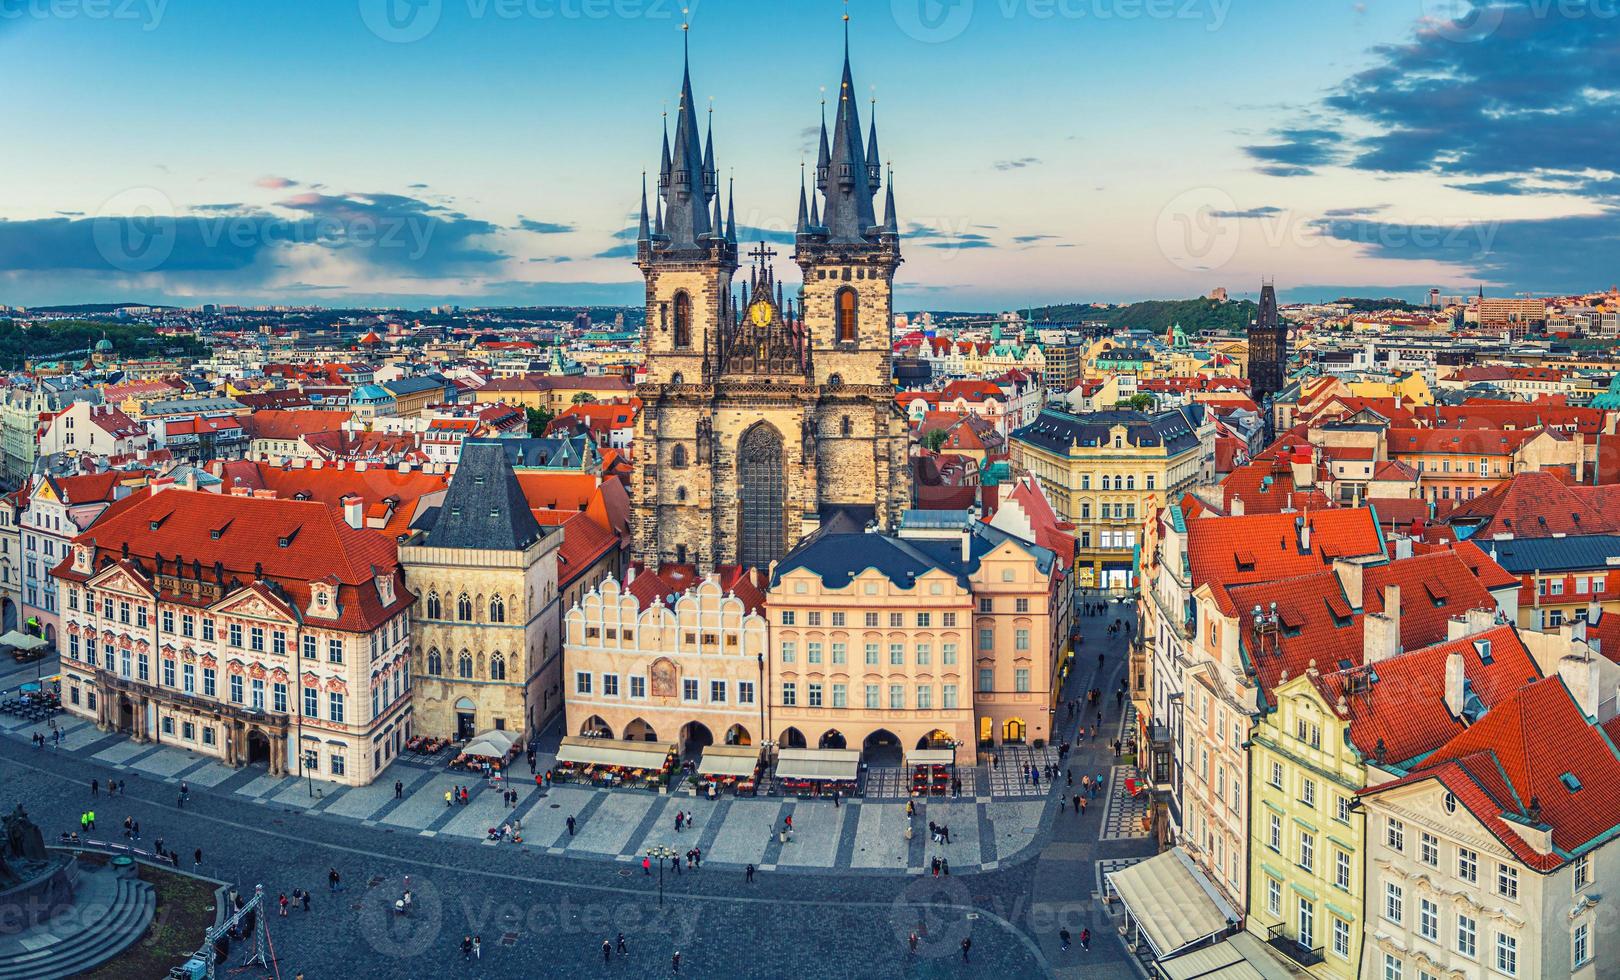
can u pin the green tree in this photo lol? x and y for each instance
(584, 398)
(1141, 401)
(934, 440)
(539, 418)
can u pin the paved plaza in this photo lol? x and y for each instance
(838, 899)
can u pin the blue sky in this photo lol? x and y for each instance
(491, 151)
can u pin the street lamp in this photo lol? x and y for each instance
(659, 852)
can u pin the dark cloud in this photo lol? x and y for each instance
(959, 243)
(1297, 151)
(1017, 164)
(1260, 212)
(1505, 187)
(543, 227)
(1360, 212)
(624, 251)
(1030, 239)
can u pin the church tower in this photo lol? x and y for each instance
(1268, 349)
(763, 420)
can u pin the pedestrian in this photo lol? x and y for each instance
(945, 867)
(1082, 806)
(120, 787)
(185, 791)
(478, 947)
(399, 790)
(911, 941)
(911, 808)
(1071, 777)
(675, 961)
(1077, 809)
(570, 826)
(447, 798)
(835, 799)
(646, 866)
(1085, 939)
(624, 948)
(466, 947)
(934, 864)
(95, 788)
(680, 820)
(1063, 935)
(607, 951)
(748, 875)
(128, 822)
(332, 878)
(196, 858)
(967, 944)
(281, 905)
(303, 898)
(789, 821)
(136, 832)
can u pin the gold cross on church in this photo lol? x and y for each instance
(761, 253)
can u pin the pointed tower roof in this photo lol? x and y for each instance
(731, 211)
(686, 198)
(891, 223)
(643, 229)
(484, 507)
(664, 166)
(874, 160)
(849, 215)
(804, 215)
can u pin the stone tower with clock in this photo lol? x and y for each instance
(766, 416)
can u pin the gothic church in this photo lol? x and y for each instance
(764, 419)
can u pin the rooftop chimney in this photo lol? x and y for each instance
(1236, 509)
(352, 507)
(1454, 684)
(1580, 675)
(1381, 632)
(1349, 574)
(1303, 522)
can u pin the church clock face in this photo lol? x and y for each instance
(760, 314)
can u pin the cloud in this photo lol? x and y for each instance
(1017, 164)
(543, 227)
(966, 243)
(1505, 187)
(275, 183)
(1029, 239)
(1299, 150)
(625, 251)
(1260, 212)
(1360, 212)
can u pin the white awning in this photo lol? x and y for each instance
(22, 641)
(729, 760)
(581, 750)
(1242, 957)
(931, 757)
(485, 748)
(818, 764)
(1172, 901)
(499, 737)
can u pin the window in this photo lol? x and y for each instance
(871, 654)
(278, 643)
(208, 630)
(610, 685)
(464, 608)
(464, 666)
(717, 692)
(1467, 936)
(1341, 869)
(210, 676)
(1342, 809)
(1021, 639)
(948, 620)
(1307, 792)
(1467, 865)
(986, 605)
(897, 697)
(338, 764)
(745, 692)
(838, 619)
(683, 320)
(840, 695)
(1430, 847)
(334, 707)
(925, 655)
(256, 639)
(947, 696)
(1276, 776)
(234, 634)
(871, 695)
(334, 651)
(1273, 896)
(1507, 881)
(897, 655)
(840, 653)
(814, 694)
(497, 668)
(1582, 946)
(871, 620)
(812, 652)
(278, 698)
(167, 620)
(987, 679)
(311, 702)
(168, 673)
(925, 697)
(1583, 871)
(582, 682)
(848, 305)
(497, 610)
(1429, 920)
(638, 686)
(1307, 850)
(689, 689)
(208, 735)
(813, 618)
(236, 688)
(434, 609)
(790, 693)
(1341, 938)
(947, 654)
(1274, 834)
(1021, 680)
(188, 625)
(789, 651)
(1507, 954)
(924, 620)
(1395, 834)
(1392, 967)
(1394, 903)
(987, 638)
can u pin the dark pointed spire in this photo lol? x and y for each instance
(731, 210)
(874, 162)
(686, 199)
(849, 215)
(658, 206)
(664, 167)
(711, 177)
(824, 156)
(815, 216)
(891, 224)
(643, 229)
(804, 207)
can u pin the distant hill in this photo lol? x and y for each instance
(1156, 315)
(54, 337)
(1361, 304)
(91, 309)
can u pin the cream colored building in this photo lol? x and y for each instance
(485, 641)
(667, 658)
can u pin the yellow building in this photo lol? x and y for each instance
(1411, 389)
(1105, 472)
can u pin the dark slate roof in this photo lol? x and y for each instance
(411, 386)
(551, 452)
(484, 507)
(1056, 430)
(1575, 553)
(838, 558)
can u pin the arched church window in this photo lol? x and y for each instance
(435, 663)
(677, 457)
(464, 666)
(680, 495)
(497, 610)
(464, 608)
(497, 667)
(683, 320)
(433, 608)
(846, 427)
(846, 316)
(835, 380)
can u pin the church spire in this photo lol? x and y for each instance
(643, 230)
(824, 156)
(804, 207)
(849, 215)
(686, 198)
(731, 210)
(891, 224)
(874, 162)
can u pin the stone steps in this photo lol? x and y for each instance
(95, 937)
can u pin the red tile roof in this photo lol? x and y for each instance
(1471, 442)
(1271, 543)
(374, 485)
(584, 543)
(671, 580)
(1540, 504)
(290, 424)
(1267, 487)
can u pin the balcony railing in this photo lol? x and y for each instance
(1292, 948)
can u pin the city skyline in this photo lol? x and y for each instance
(1095, 151)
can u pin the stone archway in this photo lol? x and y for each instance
(791, 738)
(832, 738)
(695, 735)
(639, 731)
(738, 735)
(596, 725)
(936, 739)
(258, 747)
(881, 748)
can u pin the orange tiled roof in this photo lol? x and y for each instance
(1231, 551)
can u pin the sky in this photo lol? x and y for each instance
(491, 152)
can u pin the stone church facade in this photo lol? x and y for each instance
(763, 418)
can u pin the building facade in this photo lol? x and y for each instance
(763, 420)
